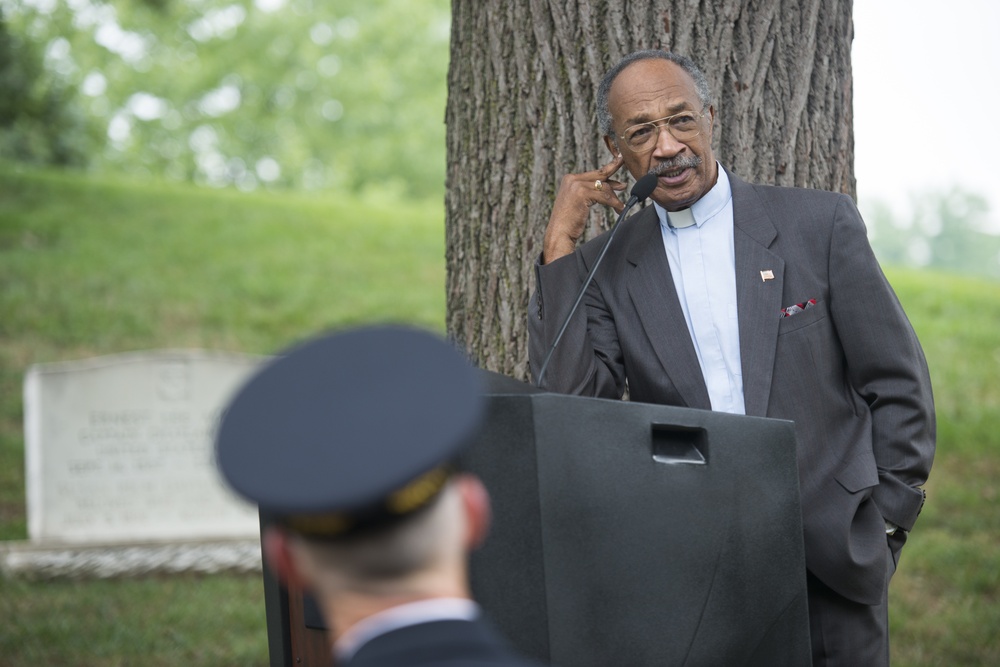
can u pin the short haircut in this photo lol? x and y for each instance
(376, 560)
(603, 90)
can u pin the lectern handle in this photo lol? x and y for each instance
(674, 444)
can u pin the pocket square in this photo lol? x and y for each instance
(797, 308)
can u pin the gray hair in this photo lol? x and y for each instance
(604, 112)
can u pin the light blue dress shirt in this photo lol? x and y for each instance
(703, 264)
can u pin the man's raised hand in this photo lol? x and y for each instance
(577, 193)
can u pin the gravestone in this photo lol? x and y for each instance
(118, 449)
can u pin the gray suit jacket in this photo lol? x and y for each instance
(849, 371)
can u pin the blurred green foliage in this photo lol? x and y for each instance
(303, 93)
(947, 230)
(39, 121)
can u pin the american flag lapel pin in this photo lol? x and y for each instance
(767, 274)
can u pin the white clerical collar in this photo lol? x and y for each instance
(680, 219)
(704, 209)
(411, 613)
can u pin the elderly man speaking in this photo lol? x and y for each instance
(752, 300)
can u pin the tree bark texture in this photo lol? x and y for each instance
(521, 113)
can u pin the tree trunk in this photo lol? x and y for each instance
(520, 114)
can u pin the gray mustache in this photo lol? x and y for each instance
(681, 162)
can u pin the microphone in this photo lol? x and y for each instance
(640, 191)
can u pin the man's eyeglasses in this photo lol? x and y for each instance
(643, 137)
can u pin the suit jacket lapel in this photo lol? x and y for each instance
(654, 297)
(758, 296)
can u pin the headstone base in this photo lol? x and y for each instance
(34, 561)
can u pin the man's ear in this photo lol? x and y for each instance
(476, 505)
(276, 546)
(609, 141)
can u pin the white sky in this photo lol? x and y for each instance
(927, 99)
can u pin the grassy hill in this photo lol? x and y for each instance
(91, 267)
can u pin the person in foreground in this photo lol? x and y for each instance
(346, 443)
(752, 300)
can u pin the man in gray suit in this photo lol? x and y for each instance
(753, 300)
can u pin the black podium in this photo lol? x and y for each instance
(635, 534)
(623, 534)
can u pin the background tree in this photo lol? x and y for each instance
(39, 120)
(946, 230)
(313, 94)
(520, 114)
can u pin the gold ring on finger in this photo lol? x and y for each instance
(598, 185)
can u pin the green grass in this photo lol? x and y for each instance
(94, 266)
(945, 599)
(163, 622)
(102, 266)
